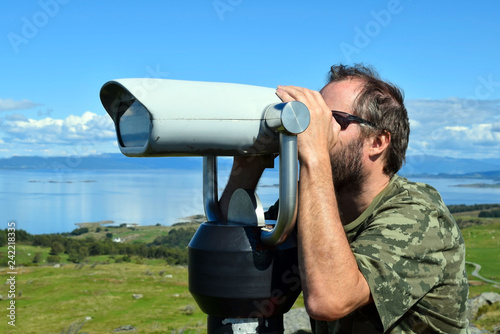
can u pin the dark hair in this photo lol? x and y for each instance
(381, 103)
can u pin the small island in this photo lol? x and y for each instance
(479, 185)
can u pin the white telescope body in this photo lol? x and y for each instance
(160, 117)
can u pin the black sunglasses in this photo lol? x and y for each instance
(344, 119)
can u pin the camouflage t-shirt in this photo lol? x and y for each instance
(411, 252)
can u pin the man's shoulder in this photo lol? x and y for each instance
(409, 196)
(418, 190)
(411, 207)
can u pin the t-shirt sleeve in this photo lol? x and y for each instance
(400, 253)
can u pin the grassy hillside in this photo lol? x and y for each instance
(482, 240)
(134, 234)
(98, 294)
(102, 297)
(483, 247)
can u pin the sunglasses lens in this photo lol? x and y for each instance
(343, 122)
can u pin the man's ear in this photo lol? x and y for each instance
(379, 144)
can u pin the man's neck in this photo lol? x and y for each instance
(353, 203)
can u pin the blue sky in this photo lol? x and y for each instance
(56, 55)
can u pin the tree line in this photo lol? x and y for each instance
(172, 247)
(490, 214)
(475, 207)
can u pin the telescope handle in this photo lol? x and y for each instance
(287, 205)
(289, 119)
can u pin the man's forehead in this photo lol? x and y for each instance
(344, 91)
(353, 85)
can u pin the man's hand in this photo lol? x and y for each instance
(321, 135)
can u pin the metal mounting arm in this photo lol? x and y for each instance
(287, 205)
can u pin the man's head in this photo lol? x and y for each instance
(380, 103)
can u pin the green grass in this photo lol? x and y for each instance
(25, 253)
(483, 247)
(53, 299)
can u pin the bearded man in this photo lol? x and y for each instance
(377, 253)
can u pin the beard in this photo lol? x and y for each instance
(347, 169)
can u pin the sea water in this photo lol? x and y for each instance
(52, 202)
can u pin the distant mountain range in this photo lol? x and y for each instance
(442, 166)
(99, 162)
(415, 166)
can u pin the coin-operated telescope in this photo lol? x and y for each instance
(243, 271)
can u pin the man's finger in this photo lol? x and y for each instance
(307, 96)
(283, 95)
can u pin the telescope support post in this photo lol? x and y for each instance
(210, 187)
(218, 325)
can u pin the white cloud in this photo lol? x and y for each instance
(414, 124)
(10, 104)
(16, 117)
(75, 135)
(449, 127)
(455, 127)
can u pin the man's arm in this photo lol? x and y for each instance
(245, 174)
(332, 283)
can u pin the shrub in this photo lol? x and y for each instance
(56, 248)
(80, 231)
(37, 258)
(53, 259)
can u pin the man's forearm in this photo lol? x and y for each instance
(333, 285)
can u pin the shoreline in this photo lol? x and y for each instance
(479, 185)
